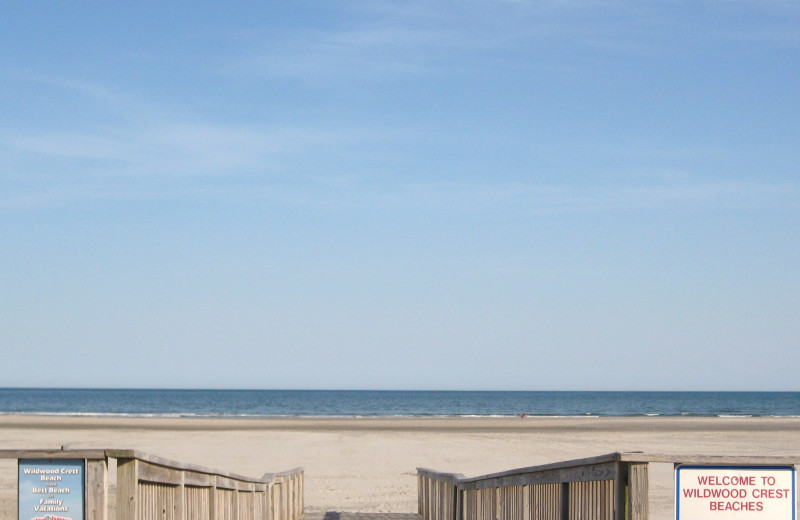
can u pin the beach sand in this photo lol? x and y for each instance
(369, 464)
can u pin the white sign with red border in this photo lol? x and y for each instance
(735, 493)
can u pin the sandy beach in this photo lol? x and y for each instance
(369, 464)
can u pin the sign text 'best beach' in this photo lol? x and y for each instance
(51, 489)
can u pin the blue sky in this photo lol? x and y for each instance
(485, 194)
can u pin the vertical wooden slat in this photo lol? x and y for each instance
(96, 489)
(420, 496)
(436, 502)
(244, 502)
(286, 500)
(544, 502)
(284, 505)
(432, 498)
(222, 504)
(276, 497)
(427, 504)
(449, 499)
(258, 509)
(298, 511)
(156, 501)
(265, 514)
(179, 498)
(272, 505)
(218, 503)
(235, 506)
(276, 501)
(213, 499)
(290, 498)
(526, 503)
(638, 485)
(586, 503)
(301, 479)
(197, 503)
(268, 502)
(509, 503)
(474, 503)
(426, 499)
(231, 504)
(421, 483)
(127, 497)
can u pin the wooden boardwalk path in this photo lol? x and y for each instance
(341, 515)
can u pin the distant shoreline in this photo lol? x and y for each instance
(384, 423)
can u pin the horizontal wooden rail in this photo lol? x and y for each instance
(609, 487)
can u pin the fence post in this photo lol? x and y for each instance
(619, 490)
(425, 504)
(526, 503)
(237, 514)
(565, 501)
(302, 498)
(127, 482)
(301, 480)
(638, 491)
(212, 500)
(179, 495)
(96, 489)
(265, 512)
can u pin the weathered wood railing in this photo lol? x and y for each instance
(608, 487)
(153, 488)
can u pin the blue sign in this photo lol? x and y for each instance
(51, 489)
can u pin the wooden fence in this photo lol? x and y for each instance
(153, 488)
(608, 487)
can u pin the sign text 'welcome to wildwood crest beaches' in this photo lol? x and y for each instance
(735, 492)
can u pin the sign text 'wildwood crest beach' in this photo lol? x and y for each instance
(51, 489)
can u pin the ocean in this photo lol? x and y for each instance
(368, 403)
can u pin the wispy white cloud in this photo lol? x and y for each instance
(521, 199)
(69, 145)
(183, 160)
(392, 42)
(134, 137)
(176, 148)
(367, 54)
(149, 140)
(504, 201)
(282, 166)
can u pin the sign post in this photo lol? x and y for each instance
(51, 489)
(735, 492)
